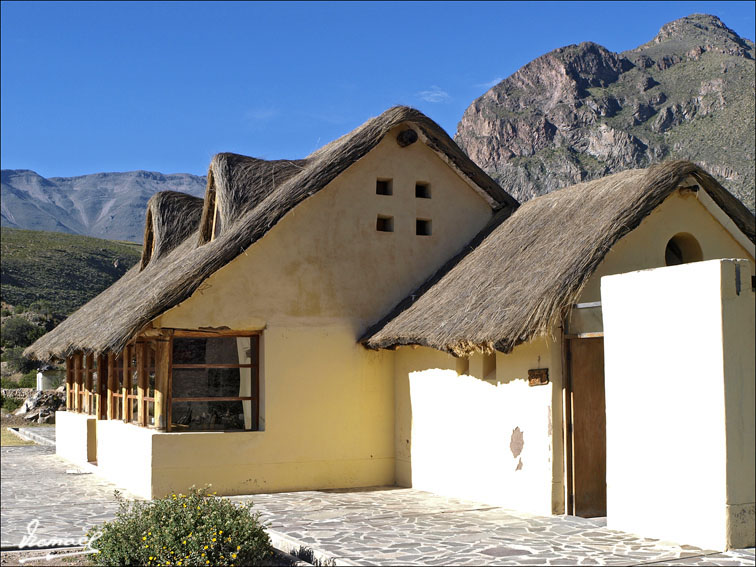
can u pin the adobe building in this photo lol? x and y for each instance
(383, 313)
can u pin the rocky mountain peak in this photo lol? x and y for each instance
(582, 111)
(691, 36)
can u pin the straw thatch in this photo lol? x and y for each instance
(171, 218)
(111, 319)
(520, 280)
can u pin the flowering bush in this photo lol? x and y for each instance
(181, 529)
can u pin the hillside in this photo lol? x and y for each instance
(103, 205)
(66, 270)
(582, 112)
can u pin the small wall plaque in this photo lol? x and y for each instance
(538, 376)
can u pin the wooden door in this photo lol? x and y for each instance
(588, 426)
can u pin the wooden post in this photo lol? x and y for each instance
(126, 384)
(112, 385)
(69, 383)
(88, 389)
(102, 386)
(77, 381)
(141, 362)
(162, 384)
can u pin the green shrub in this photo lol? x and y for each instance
(182, 529)
(8, 383)
(17, 331)
(17, 361)
(10, 404)
(28, 380)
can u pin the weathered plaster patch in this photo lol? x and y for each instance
(517, 442)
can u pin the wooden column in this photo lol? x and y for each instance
(88, 390)
(126, 384)
(102, 386)
(162, 384)
(141, 362)
(112, 385)
(69, 383)
(77, 381)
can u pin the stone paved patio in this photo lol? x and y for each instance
(399, 526)
(38, 485)
(384, 526)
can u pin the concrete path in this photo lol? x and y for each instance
(385, 526)
(397, 526)
(40, 435)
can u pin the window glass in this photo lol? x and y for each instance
(207, 416)
(214, 383)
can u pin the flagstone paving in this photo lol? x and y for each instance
(37, 485)
(399, 526)
(384, 526)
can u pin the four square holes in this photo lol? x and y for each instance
(385, 223)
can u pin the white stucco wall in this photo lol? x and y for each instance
(486, 438)
(679, 371)
(75, 436)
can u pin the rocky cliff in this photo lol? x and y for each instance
(582, 112)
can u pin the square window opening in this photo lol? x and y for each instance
(384, 187)
(422, 190)
(384, 224)
(423, 227)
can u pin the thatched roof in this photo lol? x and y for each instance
(521, 278)
(254, 195)
(171, 217)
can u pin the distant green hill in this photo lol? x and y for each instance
(65, 269)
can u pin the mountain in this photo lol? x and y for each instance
(105, 205)
(582, 112)
(65, 270)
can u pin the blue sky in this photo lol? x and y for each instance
(109, 86)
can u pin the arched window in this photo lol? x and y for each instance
(681, 249)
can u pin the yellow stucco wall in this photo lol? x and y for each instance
(644, 247)
(313, 284)
(679, 361)
(460, 435)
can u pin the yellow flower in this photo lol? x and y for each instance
(184, 542)
(233, 556)
(213, 539)
(144, 538)
(238, 547)
(205, 547)
(220, 532)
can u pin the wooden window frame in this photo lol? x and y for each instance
(130, 365)
(169, 399)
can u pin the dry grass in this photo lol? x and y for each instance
(253, 195)
(171, 217)
(8, 439)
